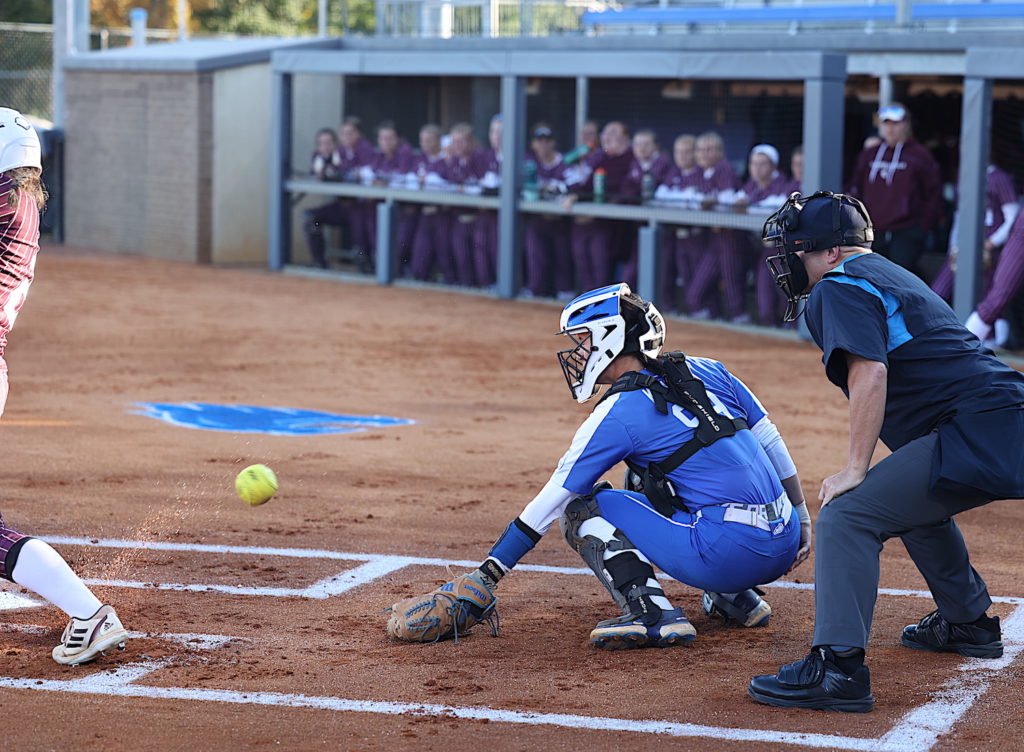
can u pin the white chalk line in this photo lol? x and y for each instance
(388, 562)
(917, 730)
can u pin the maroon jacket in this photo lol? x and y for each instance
(901, 187)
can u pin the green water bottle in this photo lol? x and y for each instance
(531, 192)
(576, 154)
(599, 178)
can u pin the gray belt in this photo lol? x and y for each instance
(761, 516)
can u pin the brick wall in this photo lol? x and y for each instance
(138, 160)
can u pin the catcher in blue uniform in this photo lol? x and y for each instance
(712, 497)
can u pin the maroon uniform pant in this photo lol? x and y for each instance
(722, 260)
(591, 251)
(548, 255)
(431, 245)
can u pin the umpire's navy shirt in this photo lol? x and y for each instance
(871, 307)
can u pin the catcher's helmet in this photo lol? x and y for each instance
(817, 222)
(19, 144)
(604, 324)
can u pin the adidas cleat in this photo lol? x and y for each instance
(84, 639)
(628, 632)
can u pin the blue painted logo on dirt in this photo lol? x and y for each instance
(275, 421)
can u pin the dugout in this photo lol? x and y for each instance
(165, 148)
(984, 69)
(822, 76)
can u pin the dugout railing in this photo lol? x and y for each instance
(823, 76)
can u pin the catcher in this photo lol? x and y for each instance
(712, 497)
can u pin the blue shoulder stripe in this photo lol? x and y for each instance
(898, 333)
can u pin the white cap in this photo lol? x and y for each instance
(768, 150)
(19, 144)
(894, 112)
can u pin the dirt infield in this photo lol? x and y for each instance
(263, 626)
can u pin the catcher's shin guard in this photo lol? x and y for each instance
(624, 571)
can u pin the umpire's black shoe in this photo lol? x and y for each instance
(938, 635)
(815, 682)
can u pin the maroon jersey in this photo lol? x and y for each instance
(551, 173)
(617, 184)
(352, 159)
(19, 244)
(488, 160)
(791, 186)
(463, 170)
(999, 192)
(398, 163)
(773, 194)
(657, 168)
(715, 180)
(423, 165)
(677, 180)
(900, 186)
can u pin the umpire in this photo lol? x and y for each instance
(953, 416)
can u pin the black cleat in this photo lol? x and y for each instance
(815, 683)
(936, 634)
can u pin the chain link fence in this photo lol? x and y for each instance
(26, 62)
(487, 18)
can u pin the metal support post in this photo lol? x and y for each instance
(582, 106)
(824, 101)
(649, 262)
(513, 140)
(975, 130)
(321, 18)
(387, 247)
(280, 214)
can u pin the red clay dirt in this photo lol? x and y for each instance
(492, 415)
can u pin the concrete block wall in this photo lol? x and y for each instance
(138, 163)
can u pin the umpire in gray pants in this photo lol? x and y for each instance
(953, 416)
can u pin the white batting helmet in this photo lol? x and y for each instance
(19, 144)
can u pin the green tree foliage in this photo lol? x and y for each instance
(26, 11)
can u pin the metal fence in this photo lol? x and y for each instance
(26, 62)
(484, 18)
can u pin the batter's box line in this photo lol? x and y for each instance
(917, 731)
(375, 566)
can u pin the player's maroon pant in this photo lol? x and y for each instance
(770, 302)
(591, 251)
(548, 255)
(720, 259)
(408, 217)
(1008, 275)
(485, 248)
(463, 247)
(431, 245)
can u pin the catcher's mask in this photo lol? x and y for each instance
(602, 325)
(817, 222)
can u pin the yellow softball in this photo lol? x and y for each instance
(256, 485)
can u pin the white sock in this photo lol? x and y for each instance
(44, 571)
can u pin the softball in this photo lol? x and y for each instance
(256, 485)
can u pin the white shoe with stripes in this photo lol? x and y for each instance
(84, 639)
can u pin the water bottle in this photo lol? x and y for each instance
(530, 190)
(647, 187)
(599, 178)
(576, 154)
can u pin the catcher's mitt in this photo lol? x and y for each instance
(446, 612)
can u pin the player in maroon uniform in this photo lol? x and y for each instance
(765, 192)
(325, 164)
(900, 184)
(431, 245)
(593, 241)
(681, 245)
(548, 256)
(29, 562)
(463, 170)
(1001, 207)
(796, 171)
(485, 238)
(647, 161)
(391, 161)
(1007, 281)
(356, 153)
(721, 257)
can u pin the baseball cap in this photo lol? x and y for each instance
(768, 150)
(894, 112)
(542, 132)
(816, 224)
